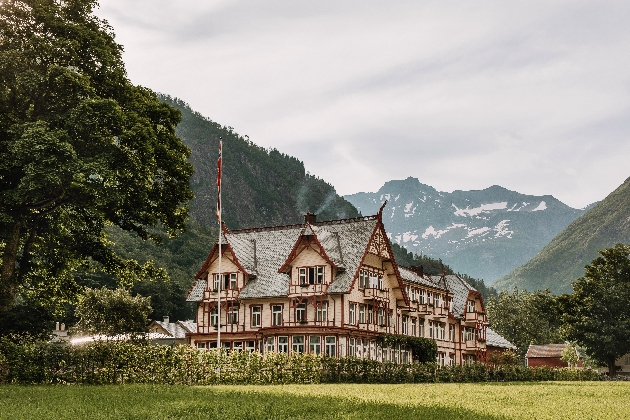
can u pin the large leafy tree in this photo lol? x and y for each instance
(597, 314)
(112, 312)
(81, 148)
(524, 317)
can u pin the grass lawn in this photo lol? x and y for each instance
(555, 400)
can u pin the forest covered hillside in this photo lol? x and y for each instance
(562, 261)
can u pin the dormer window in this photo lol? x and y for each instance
(311, 275)
(470, 306)
(370, 280)
(230, 281)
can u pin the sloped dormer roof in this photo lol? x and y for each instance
(263, 251)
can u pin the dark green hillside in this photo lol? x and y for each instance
(260, 187)
(562, 261)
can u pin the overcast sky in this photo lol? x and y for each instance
(530, 95)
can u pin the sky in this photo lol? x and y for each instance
(533, 96)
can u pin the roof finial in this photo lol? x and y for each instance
(380, 211)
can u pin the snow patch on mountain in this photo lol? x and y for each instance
(479, 231)
(541, 206)
(501, 229)
(477, 210)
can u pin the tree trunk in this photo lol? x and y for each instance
(8, 284)
(611, 367)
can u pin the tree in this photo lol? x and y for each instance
(597, 314)
(112, 312)
(570, 355)
(525, 317)
(81, 148)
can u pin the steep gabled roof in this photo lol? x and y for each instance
(262, 252)
(460, 290)
(408, 275)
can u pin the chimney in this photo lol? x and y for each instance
(166, 320)
(310, 218)
(419, 270)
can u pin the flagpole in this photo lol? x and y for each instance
(219, 168)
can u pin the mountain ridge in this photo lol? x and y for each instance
(484, 233)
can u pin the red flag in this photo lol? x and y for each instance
(219, 169)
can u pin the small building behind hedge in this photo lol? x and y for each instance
(332, 288)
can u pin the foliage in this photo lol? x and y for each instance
(597, 315)
(81, 148)
(423, 349)
(111, 312)
(115, 362)
(525, 318)
(570, 355)
(504, 358)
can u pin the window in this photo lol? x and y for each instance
(270, 344)
(438, 300)
(351, 347)
(405, 319)
(470, 306)
(421, 298)
(442, 329)
(250, 346)
(298, 344)
(352, 318)
(421, 327)
(230, 281)
(413, 326)
(214, 317)
(413, 295)
(370, 315)
(322, 312)
(451, 332)
(237, 345)
(442, 358)
(233, 281)
(311, 275)
(315, 344)
(276, 315)
(430, 298)
(370, 279)
(469, 333)
(430, 329)
(201, 346)
(256, 316)
(366, 349)
(283, 344)
(381, 316)
(226, 345)
(232, 316)
(361, 314)
(300, 312)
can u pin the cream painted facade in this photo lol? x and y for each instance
(330, 288)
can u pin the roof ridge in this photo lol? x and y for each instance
(299, 225)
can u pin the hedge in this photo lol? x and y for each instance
(123, 362)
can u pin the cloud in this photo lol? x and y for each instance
(533, 96)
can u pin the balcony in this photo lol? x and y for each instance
(226, 294)
(370, 293)
(307, 289)
(475, 317)
(470, 345)
(440, 311)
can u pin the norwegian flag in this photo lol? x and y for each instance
(219, 169)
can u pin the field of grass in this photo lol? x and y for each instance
(556, 400)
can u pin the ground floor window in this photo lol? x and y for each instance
(237, 345)
(331, 346)
(201, 346)
(315, 344)
(270, 345)
(250, 346)
(226, 345)
(283, 344)
(298, 344)
(351, 347)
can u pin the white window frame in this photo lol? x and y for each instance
(298, 344)
(352, 314)
(277, 317)
(315, 344)
(256, 316)
(321, 312)
(283, 344)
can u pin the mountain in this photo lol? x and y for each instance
(484, 233)
(562, 261)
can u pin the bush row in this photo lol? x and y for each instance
(117, 362)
